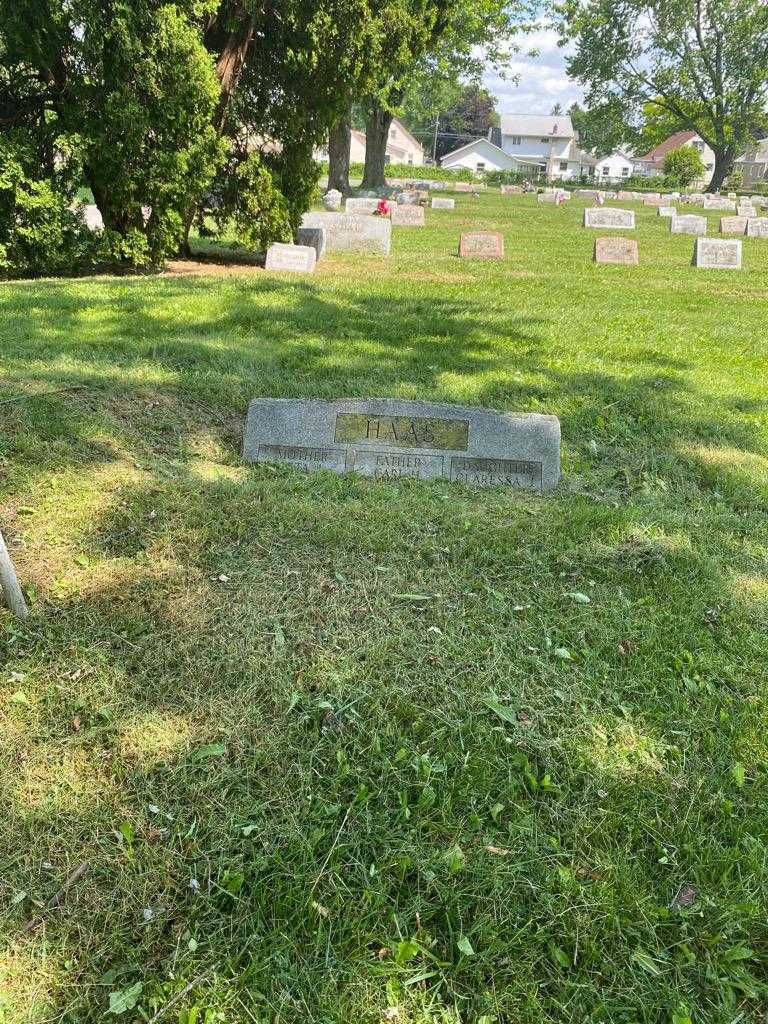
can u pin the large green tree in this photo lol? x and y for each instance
(704, 63)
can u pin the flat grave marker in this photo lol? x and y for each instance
(394, 438)
(442, 203)
(608, 217)
(733, 225)
(667, 211)
(481, 245)
(717, 253)
(297, 259)
(688, 224)
(407, 216)
(757, 227)
(345, 232)
(719, 203)
(616, 250)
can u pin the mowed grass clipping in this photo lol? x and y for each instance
(339, 750)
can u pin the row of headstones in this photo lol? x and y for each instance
(357, 229)
(404, 208)
(709, 253)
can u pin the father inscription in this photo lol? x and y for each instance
(482, 245)
(392, 438)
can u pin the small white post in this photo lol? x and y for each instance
(9, 583)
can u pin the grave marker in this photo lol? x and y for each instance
(511, 190)
(314, 237)
(440, 203)
(667, 211)
(361, 205)
(298, 259)
(608, 217)
(688, 224)
(346, 232)
(718, 203)
(717, 253)
(482, 245)
(616, 250)
(407, 216)
(757, 227)
(733, 225)
(393, 438)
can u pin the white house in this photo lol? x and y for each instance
(402, 147)
(530, 144)
(754, 163)
(614, 166)
(652, 164)
(480, 155)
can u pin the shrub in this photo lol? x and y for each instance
(245, 197)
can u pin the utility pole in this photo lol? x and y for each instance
(434, 143)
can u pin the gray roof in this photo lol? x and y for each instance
(534, 124)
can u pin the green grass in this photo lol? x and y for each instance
(341, 803)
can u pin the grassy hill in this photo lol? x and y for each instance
(340, 750)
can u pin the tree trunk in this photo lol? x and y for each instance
(339, 142)
(377, 124)
(723, 167)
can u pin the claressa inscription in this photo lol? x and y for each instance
(482, 245)
(390, 438)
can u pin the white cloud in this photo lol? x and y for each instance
(541, 79)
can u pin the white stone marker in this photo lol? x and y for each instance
(440, 203)
(757, 227)
(332, 199)
(667, 211)
(355, 205)
(689, 224)
(717, 253)
(733, 225)
(608, 217)
(298, 259)
(345, 232)
(718, 203)
(393, 438)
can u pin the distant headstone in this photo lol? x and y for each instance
(408, 198)
(733, 225)
(717, 253)
(608, 217)
(718, 203)
(407, 216)
(511, 190)
(332, 199)
(366, 205)
(688, 224)
(667, 211)
(695, 198)
(626, 197)
(482, 245)
(654, 201)
(394, 438)
(463, 186)
(346, 232)
(314, 237)
(590, 193)
(441, 203)
(299, 259)
(746, 210)
(616, 250)
(757, 227)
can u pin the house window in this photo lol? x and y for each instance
(410, 158)
(625, 172)
(563, 165)
(545, 141)
(517, 140)
(605, 170)
(698, 145)
(710, 167)
(481, 165)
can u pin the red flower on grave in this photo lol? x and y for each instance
(383, 208)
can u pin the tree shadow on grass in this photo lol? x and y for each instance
(201, 667)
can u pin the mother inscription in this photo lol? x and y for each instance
(392, 438)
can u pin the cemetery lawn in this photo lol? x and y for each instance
(339, 750)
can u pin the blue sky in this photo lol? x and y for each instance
(542, 79)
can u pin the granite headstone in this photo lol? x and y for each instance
(298, 259)
(345, 232)
(717, 253)
(482, 245)
(616, 250)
